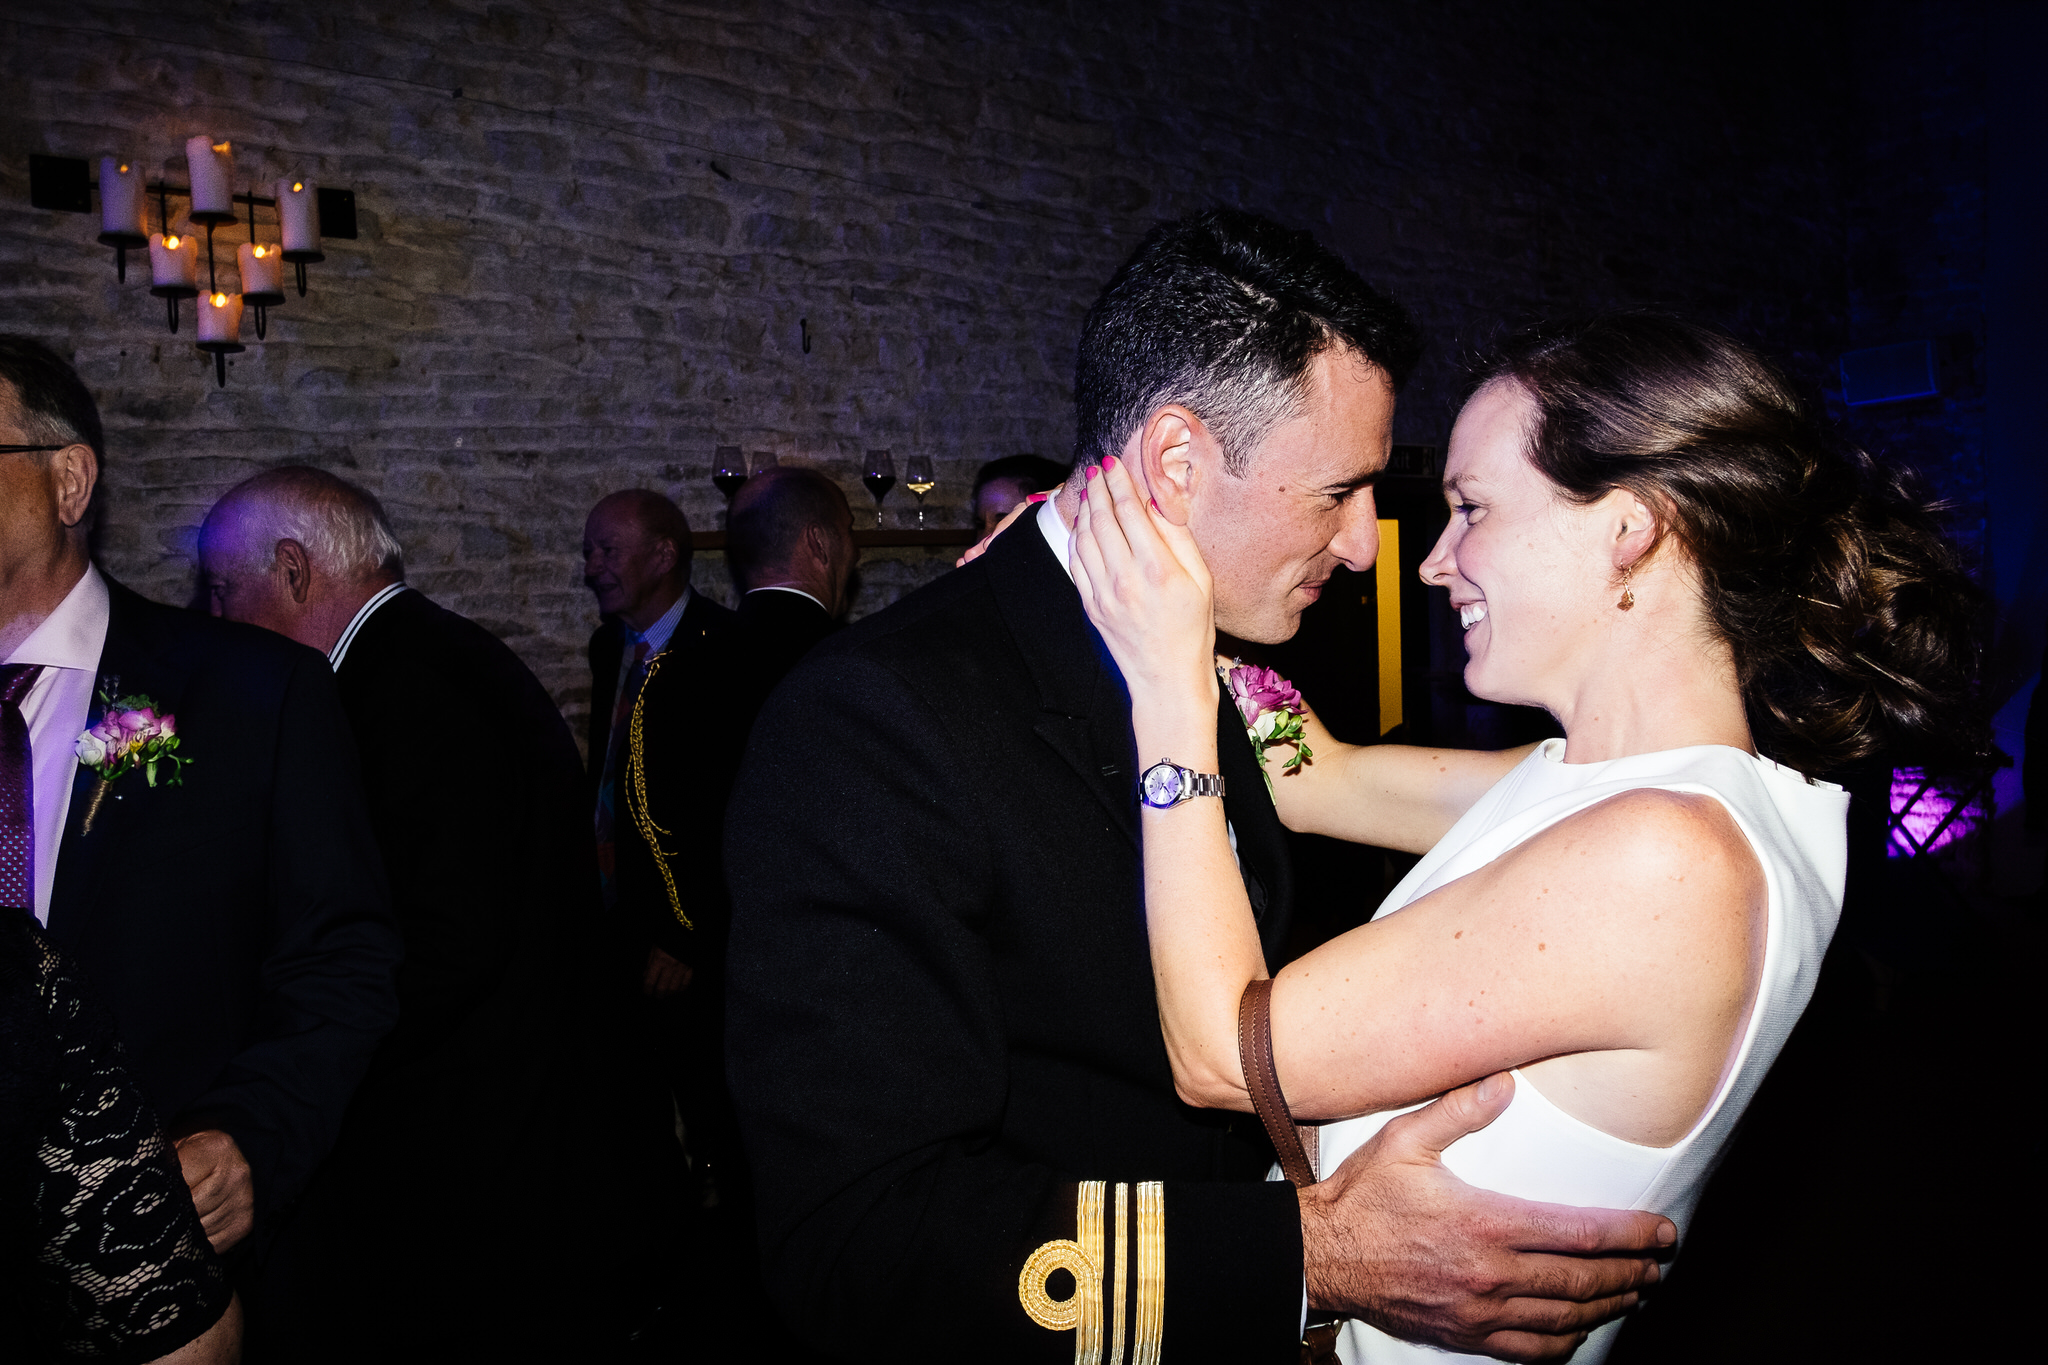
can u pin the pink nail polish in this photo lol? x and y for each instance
(1038, 497)
(1108, 463)
(1090, 475)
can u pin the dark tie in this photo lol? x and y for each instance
(17, 790)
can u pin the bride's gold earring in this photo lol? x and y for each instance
(1628, 592)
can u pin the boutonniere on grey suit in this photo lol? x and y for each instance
(132, 734)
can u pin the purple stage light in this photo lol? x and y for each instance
(1925, 817)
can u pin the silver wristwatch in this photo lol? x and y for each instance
(1166, 784)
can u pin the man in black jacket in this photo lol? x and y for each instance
(791, 550)
(510, 1057)
(943, 1036)
(636, 562)
(227, 904)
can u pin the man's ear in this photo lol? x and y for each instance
(297, 569)
(818, 545)
(1169, 452)
(74, 473)
(667, 556)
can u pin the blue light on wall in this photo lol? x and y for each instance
(1887, 374)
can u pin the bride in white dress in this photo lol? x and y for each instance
(1650, 539)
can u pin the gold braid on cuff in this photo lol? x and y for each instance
(1132, 1273)
(636, 774)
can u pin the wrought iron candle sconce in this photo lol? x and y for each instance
(306, 214)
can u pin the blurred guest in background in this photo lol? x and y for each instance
(636, 562)
(509, 1058)
(190, 827)
(101, 1253)
(1000, 485)
(792, 556)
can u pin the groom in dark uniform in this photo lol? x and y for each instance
(943, 1037)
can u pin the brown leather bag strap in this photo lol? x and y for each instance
(1255, 1052)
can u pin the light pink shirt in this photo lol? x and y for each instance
(68, 644)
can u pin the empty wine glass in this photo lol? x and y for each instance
(917, 477)
(728, 470)
(879, 474)
(761, 460)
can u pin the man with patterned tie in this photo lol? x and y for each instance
(226, 900)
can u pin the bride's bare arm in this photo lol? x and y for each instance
(1395, 796)
(1632, 926)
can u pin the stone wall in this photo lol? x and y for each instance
(594, 235)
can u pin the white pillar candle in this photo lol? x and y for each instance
(220, 317)
(298, 214)
(213, 175)
(174, 260)
(121, 197)
(262, 268)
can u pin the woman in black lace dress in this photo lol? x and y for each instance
(101, 1255)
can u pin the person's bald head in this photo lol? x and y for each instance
(298, 551)
(790, 527)
(636, 555)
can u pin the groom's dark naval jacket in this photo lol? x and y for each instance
(237, 924)
(509, 1067)
(942, 1010)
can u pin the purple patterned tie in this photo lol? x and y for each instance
(17, 790)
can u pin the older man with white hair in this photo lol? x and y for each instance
(202, 854)
(509, 1060)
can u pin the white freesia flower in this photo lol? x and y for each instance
(91, 752)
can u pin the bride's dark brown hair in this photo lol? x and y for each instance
(1853, 624)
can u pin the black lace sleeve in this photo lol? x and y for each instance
(104, 1254)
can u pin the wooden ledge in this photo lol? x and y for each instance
(866, 540)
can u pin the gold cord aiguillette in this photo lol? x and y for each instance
(636, 772)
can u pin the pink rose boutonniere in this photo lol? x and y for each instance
(1272, 712)
(133, 734)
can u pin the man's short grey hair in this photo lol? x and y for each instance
(342, 527)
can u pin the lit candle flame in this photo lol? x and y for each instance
(220, 300)
(170, 243)
(298, 186)
(257, 251)
(221, 147)
(124, 170)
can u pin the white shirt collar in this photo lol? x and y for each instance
(780, 587)
(363, 613)
(75, 634)
(1057, 534)
(657, 635)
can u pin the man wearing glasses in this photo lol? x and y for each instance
(228, 906)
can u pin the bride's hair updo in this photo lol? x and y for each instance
(1853, 625)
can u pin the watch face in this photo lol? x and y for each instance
(1162, 785)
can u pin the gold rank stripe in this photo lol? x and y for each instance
(1118, 1313)
(1151, 1273)
(1088, 1230)
(1141, 1269)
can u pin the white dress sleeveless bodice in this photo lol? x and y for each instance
(1535, 1150)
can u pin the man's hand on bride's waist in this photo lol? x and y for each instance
(1394, 1238)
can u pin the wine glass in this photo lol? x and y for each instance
(728, 470)
(917, 477)
(879, 474)
(761, 461)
